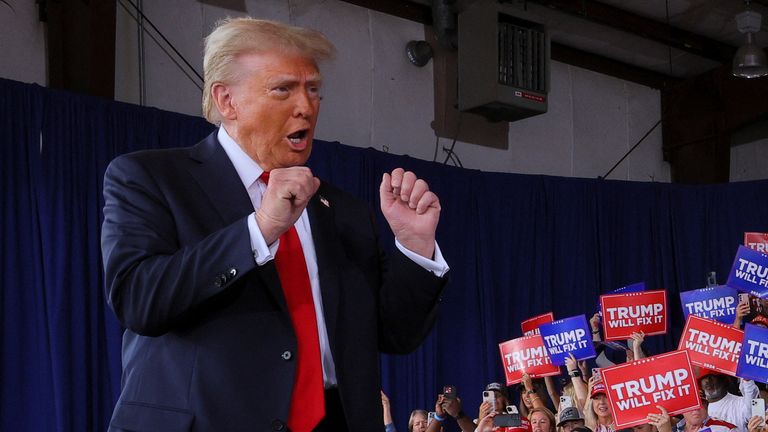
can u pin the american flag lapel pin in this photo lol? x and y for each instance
(325, 201)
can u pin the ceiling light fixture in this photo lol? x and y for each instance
(750, 60)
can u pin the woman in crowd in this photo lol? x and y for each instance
(542, 420)
(597, 412)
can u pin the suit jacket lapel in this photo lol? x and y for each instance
(218, 179)
(327, 251)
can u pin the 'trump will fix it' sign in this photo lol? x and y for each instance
(634, 389)
(531, 325)
(712, 344)
(526, 354)
(624, 314)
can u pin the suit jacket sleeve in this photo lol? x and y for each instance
(154, 278)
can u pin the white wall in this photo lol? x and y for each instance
(750, 161)
(22, 43)
(374, 97)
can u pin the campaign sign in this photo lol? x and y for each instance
(568, 336)
(753, 361)
(756, 241)
(749, 272)
(526, 354)
(624, 314)
(531, 325)
(636, 287)
(634, 389)
(718, 303)
(712, 344)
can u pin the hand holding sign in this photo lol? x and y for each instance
(661, 420)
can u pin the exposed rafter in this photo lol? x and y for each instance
(423, 14)
(611, 16)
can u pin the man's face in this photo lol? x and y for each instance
(571, 424)
(275, 101)
(713, 386)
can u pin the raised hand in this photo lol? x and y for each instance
(661, 420)
(287, 195)
(411, 210)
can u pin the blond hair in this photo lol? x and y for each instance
(548, 414)
(233, 37)
(412, 419)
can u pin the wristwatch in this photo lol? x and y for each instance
(574, 373)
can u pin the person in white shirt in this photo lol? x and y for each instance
(724, 405)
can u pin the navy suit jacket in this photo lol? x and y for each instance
(208, 344)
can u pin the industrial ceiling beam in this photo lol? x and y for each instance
(620, 19)
(421, 13)
(604, 65)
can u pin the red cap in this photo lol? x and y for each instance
(701, 372)
(525, 426)
(760, 320)
(597, 389)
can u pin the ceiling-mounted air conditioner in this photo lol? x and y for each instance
(503, 59)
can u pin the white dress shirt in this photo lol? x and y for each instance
(249, 172)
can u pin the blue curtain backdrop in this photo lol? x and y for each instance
(518, 245)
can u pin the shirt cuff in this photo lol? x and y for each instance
(438, 266)
(262, 253)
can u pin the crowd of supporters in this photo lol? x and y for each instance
(578, 402)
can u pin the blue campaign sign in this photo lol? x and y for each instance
(717, 303)
(636, 287)
(753, 360)
(566, 336)
(749, 272)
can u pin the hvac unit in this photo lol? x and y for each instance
(503, 63)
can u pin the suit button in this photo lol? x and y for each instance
(278, 425)
(287, 355)
(220, 281)
(232, 273)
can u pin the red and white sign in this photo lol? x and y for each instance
(531, 325)
(712, 344)
(526, 354)
(634, 389)
(624, 314)
(756, 241)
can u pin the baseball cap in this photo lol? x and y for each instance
(760, 321)
(495, 387)
(702, 372)
(598, 389)
(568, 414)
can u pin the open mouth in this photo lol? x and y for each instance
(298, 136)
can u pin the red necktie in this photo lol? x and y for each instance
(308, 397)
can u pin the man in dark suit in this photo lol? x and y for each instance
(258, 301)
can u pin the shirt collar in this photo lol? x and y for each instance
(247, 169)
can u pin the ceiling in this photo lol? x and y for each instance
(646, 41)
